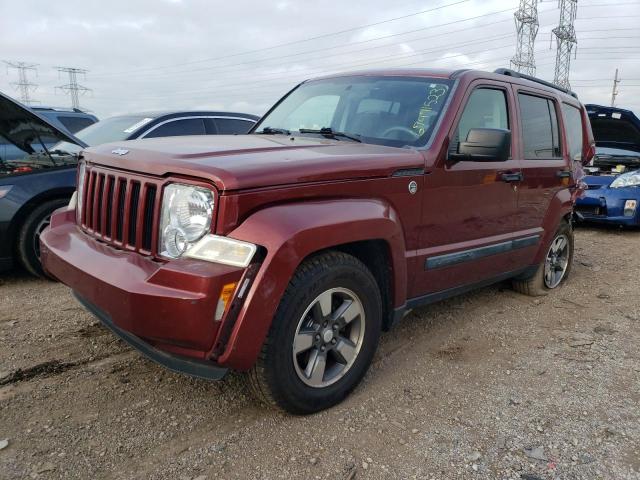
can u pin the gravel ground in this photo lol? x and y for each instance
(490, 385)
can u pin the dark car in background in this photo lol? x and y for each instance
(66, 119)
(613, 183)
(43, 178)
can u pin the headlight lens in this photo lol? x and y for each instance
(631, 179)
(186, 217)
(80, 189)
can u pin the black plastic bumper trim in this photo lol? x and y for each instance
(176, 363)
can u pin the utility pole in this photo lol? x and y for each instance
(73, 88)
(566, 39)
(526, 18)
(614, 92)
(23, 84)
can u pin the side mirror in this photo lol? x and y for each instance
(484, 145)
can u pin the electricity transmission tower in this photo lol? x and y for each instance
(565, 39)
(527, 28)
(24, 86)
(73, 88)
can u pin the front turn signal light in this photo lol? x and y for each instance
(226, 294)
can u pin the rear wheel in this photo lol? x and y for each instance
(29, 236)
(554, 269)
(323, 336)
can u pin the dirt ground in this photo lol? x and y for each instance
(490, 385)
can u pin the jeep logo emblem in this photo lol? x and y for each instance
(413, 187)
(120, 151)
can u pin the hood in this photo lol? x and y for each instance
(599, 180)
(21, 127)
(235, 162)
(614, 127)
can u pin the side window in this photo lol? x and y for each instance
(573, 126)
(75, 124)
(486, 108)
(174, 128)
(540, 134)
(232, 126)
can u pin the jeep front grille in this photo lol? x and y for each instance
(121, 209)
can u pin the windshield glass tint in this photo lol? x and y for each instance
(112, 129)
(393, 111)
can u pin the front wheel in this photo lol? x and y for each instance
(555, 268)
(29, 235)
(323, 336)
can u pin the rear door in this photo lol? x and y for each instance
(546, 170)
(470, 208)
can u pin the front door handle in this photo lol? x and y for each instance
(511, 177)
(563, 174)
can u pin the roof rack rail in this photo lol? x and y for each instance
(512, 73)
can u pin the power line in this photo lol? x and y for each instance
(24, 86)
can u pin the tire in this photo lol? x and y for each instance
(29, 235)
(538, 285)
(279, 377)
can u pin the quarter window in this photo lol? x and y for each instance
(540, 134)
(174, 128)
(486, 108)
(233, 126)
(573, 127)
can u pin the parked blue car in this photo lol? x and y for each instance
(613, 184)
(43, 177)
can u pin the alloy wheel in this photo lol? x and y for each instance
(328, 337)
(44, 223)
(557, 261)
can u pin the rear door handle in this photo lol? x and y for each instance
(563, 174)
(511, 177)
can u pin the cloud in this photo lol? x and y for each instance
(243, 55)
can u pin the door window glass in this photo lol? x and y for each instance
(174, 128)
(573, 127)
(486, 108)
(540, 133)
(75, 124)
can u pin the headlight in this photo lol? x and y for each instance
(80, 190)
(631, 179)
(185, 218)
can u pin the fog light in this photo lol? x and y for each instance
(225, 298)
(223, 250)
(630, 208)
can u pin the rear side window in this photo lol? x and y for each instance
(75, 124)
(231, 126)
(486, 108)
(175, 128)
(540, 133)
(573, 127)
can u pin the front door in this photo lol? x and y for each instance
(470, 208)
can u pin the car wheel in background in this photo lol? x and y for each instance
(323, 336)
(29, 235)
(555, 268)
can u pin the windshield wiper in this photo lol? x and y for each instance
(275, 131)
(329, 132)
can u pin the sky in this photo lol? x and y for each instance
(143, 55)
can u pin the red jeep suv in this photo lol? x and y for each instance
(284, 253)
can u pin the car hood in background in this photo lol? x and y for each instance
(21, 126)
(614, 127)
(235, 162)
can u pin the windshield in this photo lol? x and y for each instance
(105, 131)
(392, 111)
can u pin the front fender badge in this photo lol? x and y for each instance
(413, 187)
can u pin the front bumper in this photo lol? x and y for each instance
(165, 310)
(606, 205)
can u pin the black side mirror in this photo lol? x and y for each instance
(484, 145)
